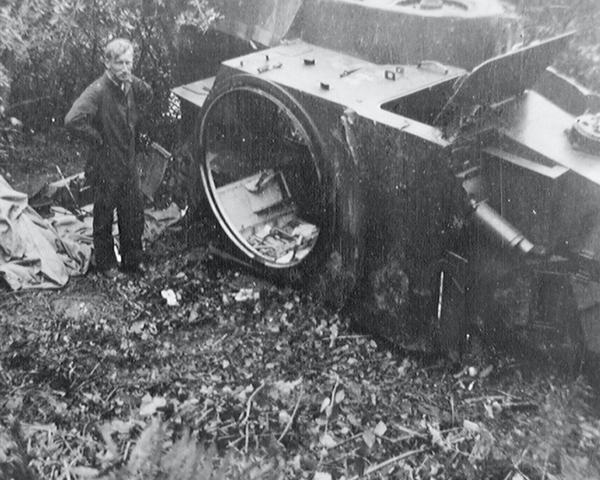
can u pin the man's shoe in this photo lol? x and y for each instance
(141, 269)
(111, 273)
(135, 269)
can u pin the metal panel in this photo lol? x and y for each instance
(540, 125)
(195, 92)
(401, 32)
(261, 21)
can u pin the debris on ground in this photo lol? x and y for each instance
(44, 243)
(105, 380)
(111, 379)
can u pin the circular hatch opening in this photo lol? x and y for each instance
(261, 176)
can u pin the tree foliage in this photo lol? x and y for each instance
(541, 19)
(51, 49)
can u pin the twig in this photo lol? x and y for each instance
(342, 456)
(68, 187)
(381, 465)
(332, 400)
(291, 420)
(247, 438)
(219, 340)
(347, 440)
(89, 378)
(220, 428)
(399, 439)
(545, 466)
(487, 397)
(112, 392)
(508, 394)
(249, 403)
(232, 444)
(27, 329)
(520, 406)
(412, 433)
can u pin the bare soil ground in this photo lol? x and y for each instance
(105, 379)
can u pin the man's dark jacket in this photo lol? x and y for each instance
(107, 118)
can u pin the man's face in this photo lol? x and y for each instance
(120, 66)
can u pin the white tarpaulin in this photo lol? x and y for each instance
(36, 252)
(32, 252)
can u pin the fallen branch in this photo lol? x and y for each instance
(89, 378)
(245, 420)
(388, 462)
(247, 436)
(331, 402)
(520, 406)
(291, 420)
(399, 439)
(486, 398)
(249, 403)
(347, 440)
(410, 432)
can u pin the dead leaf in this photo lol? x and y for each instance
(283, 417)
(327, 441)
(380, 429)
(471, 426)
(84, 472)
(436, 437)
(369, 438)
(151, 405)
(484, 441)
(353, 420)
(322, 476)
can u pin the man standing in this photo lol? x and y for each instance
(107, 115)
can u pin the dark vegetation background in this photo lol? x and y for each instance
(51, 49)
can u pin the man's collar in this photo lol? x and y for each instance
(112, 79)
(123, 86)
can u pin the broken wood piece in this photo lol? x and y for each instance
(520, 406)
(249, 403)
(485, 398)
(291, 420)
(386, 463)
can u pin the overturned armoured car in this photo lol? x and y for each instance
(425, 196)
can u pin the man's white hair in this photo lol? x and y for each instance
(117, 47)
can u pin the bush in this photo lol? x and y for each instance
(52, 49)
(542, 19)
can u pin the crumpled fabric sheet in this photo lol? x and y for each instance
(32, 252)
(38, 253)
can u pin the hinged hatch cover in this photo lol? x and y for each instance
(505, 76)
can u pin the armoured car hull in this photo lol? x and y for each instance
(457, 32)
(427, 197)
